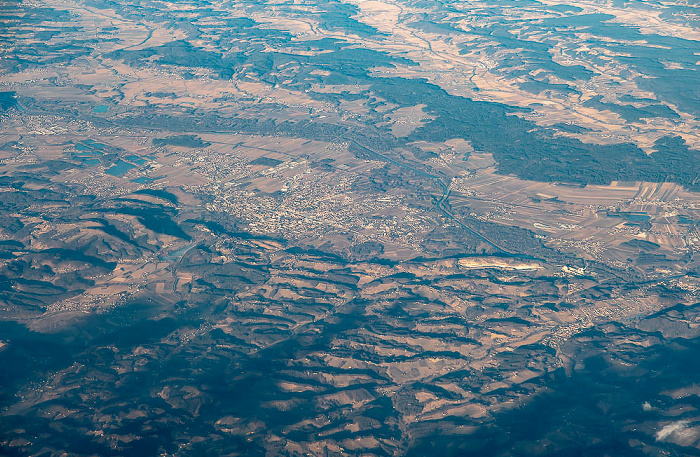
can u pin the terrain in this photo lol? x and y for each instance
(349, 228)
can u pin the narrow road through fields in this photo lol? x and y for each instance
(441, 202)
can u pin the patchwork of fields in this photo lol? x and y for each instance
(349, 227)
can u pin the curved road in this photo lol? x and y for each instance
(445, 195)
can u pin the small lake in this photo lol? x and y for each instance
(91, 162)
(136, 159)
(143, 180)
(119, 168)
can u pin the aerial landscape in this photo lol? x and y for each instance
(350, 227)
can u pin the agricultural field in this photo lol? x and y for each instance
(349, 227)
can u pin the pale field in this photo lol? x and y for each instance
(405, 120)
